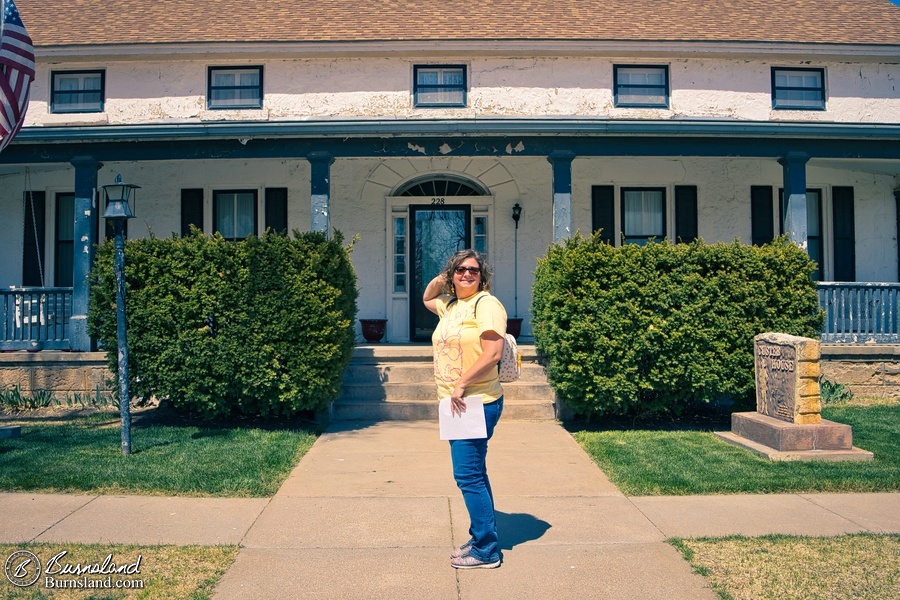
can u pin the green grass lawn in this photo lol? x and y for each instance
(170, 457)
(681, 460)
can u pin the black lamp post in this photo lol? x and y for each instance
(516, 215)
(118, 210)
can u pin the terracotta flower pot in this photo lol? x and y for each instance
(373, 329)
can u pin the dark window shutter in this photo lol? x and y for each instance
(844, 234)
(603, 215)
(191, 210)
(685, 213)
(33, 247)
(277, 210)
(761, 228)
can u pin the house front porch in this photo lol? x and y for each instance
(860, 342)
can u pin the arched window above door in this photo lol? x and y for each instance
(441, 186)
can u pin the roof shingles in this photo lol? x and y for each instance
(91, 22)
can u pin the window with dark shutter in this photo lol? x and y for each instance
(33, 248)
(685, 213)
(191, 210)
(277, 210)
(603, 209)
(844, 228)
(762, 229)
(64, 241)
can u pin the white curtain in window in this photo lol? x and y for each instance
(250, 83)
(67, 83)
(244, 205)
(75, 83)
(222, 79)
(643, 213)
(629, 80)
(239, 87)
(642, 76)
(428, 76)
(92, 83)
(810, 82)
(451, 80)
(812, 213)
(235, 214)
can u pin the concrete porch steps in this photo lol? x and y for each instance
(395, 382)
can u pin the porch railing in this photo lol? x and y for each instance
(36, 318)
(860, 312)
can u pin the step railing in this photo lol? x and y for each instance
(860, 312)
(36, 318)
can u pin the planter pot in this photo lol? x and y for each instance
(373, 329)
(514, 326)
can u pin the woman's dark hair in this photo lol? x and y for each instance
(455, 260)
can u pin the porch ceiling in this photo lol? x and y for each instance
(887, 167)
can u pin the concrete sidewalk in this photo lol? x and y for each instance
(372, 512)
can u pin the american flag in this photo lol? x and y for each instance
(16, 73)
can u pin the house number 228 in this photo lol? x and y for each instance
(437, 200)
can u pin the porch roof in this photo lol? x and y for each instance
(849, 143)
(54, 23)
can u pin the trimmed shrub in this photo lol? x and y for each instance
(658, 328)
(257, 327)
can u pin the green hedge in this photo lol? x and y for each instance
(256, 327)
(658, 328)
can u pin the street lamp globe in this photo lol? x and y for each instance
(118, 199)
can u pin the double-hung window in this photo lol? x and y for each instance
(77, 91)
(798, 89)
(643, 214)
(813, 228)
(232, 87)
(439, 85)
(235, 213)
(644, 86)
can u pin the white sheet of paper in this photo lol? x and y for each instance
(468, 426)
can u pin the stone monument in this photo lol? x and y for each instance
(788, 423)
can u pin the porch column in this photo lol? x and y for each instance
(897, 204)
(794, 167)
(85, 238)
(562, 193)
(320, 182)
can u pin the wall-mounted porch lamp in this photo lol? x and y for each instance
(516, 215)
(119, 210)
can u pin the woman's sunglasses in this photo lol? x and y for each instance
(471, 270)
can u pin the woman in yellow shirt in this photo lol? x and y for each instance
(467, 345)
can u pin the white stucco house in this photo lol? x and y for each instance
(421, 126)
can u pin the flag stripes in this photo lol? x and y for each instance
(16, 73)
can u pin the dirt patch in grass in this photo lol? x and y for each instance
(164, 571)
(868, 401)
(800, 568)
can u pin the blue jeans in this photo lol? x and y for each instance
(470, 472)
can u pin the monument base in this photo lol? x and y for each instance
(781, 440)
